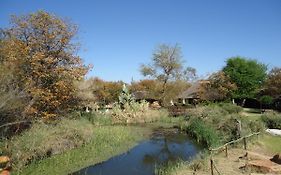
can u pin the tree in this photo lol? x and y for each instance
(265, 100)
(273, 83)
(219, 87)
(105, 92)
(167, 65)
(85, 94)
(40, 48)
(248, 75)
(152, 87)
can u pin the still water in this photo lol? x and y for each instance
(163, 146)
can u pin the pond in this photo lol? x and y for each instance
(164, 145)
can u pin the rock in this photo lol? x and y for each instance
(260, 166)
(263, 166)
(5, 172)
(4, 159)
(276, 158)
(274, 131)
(4, 162)
(155, 105)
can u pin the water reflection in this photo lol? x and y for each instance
(164, 146)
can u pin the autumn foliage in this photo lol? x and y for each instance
(39, 48)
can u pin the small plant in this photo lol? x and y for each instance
(125, 97)
(272, 120)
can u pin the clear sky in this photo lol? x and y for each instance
(118, 35)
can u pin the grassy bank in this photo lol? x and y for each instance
(108, 141)
(68, 145)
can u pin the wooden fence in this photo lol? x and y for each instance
(225, 148)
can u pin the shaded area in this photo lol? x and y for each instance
(164, 146)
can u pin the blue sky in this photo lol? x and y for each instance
(116, 36)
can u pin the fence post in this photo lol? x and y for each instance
(245, 143)
(226, 154)
(212, 166)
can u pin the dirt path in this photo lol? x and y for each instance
(233, 164)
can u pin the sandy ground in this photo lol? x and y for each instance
(231, 165)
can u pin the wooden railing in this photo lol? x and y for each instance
(225, 147)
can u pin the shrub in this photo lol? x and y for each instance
(43, 140)
(256, 126)
(230, 108)
(200, 162)
(203, 133)
(214, 110)
(136, 113)
(206, 112)
(272, 120)
(266, 100)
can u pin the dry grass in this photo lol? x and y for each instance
(44, 140)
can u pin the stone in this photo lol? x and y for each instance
(5, 172)
(263, 166)
(4, 159)
(276, 158)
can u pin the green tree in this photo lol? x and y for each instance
(39, 47)
(265, 100)
(248, 75)
(167, 65)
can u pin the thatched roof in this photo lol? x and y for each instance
(193, 91)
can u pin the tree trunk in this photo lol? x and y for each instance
(243, 102)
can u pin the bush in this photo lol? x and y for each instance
(203, 133)
(206, 112)
(214, 110)
(43, 140)
(136, 112)
(231, 108)
(222, 118)
(272, 120)
(256, 126)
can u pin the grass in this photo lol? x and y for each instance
(204, 134)
(251, 114)
(108, 141)
(182, 167)
(68, 145)
(271, 144)
(43, 140)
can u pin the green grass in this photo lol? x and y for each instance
(203, 133)
(108, 141)
(271, 143)
(252, 114)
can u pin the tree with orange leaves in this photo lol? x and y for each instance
(39, 48)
